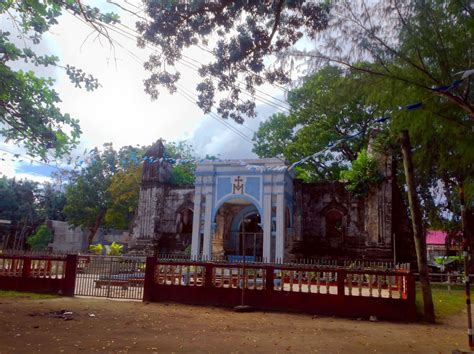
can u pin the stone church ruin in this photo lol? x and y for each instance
(258, 208)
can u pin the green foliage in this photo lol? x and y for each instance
(24, 201)
(116, 249)
(18, 199)
(417, 44)
(444, 260)
(40, 239)
(96, 249)
(183, 173)
(29, 111)
(329, 105)
(274, 135)
(51, 201)
(105, 191)
(87, 196)
(362, 175)
(124, 190)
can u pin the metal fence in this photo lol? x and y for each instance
(111, 277)
(355, 264)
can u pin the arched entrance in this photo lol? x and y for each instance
(266, 184)
(238, 230)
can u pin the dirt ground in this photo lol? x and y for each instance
(28, 325)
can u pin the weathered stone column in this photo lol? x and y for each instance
(267, 227)
(280, 228)
(196, 224)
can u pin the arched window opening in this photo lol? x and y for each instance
(185, 221)
(334, 224)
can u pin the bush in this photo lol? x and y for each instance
(116, 249)
(362, 175)
(40, 239)
(96, 249)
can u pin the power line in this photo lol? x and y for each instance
(16, 155)
(207, 49)
(152, 46)
(195, 98)
(212, 114)
(188, 62)
(184, 62)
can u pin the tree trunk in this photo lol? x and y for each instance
(416, 220)
(93, 229)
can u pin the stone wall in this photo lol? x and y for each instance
(321, 219)
(173, 226)
(67, 238)
(328, 221)
(163, 218)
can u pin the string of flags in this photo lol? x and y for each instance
(455, 84)
(136, 158)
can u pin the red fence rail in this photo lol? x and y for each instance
(326, 290)
(52, 275)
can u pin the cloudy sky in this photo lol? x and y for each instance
(120, 111)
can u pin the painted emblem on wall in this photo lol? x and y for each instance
(238, 185)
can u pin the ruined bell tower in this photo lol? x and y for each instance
(155, 178)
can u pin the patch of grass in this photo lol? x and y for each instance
(445, 303)
(34, 296)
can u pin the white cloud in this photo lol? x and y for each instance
(120, 111)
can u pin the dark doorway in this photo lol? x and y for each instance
(251, 236)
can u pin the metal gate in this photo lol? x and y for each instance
(112, 277)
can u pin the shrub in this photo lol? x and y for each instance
(116, 249)
(96, 249)
(40, 239)
(362, 175)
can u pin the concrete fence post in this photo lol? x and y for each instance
(269, 279)
(25, 272)
(341, 276)
(208, 275)
(69, 281)
(149, 279)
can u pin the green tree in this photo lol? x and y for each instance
(124, 190)
(182, 173)
(422, 45)
(87, 196)
(51, 201)
(416, 48)
(18, 200)
(29, 111)
(40, 239)
(26, 204)
(330, 105)
(105, 191)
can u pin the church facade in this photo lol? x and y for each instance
(258, 209)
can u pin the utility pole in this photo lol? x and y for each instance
(466, 253)
(416, 220)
